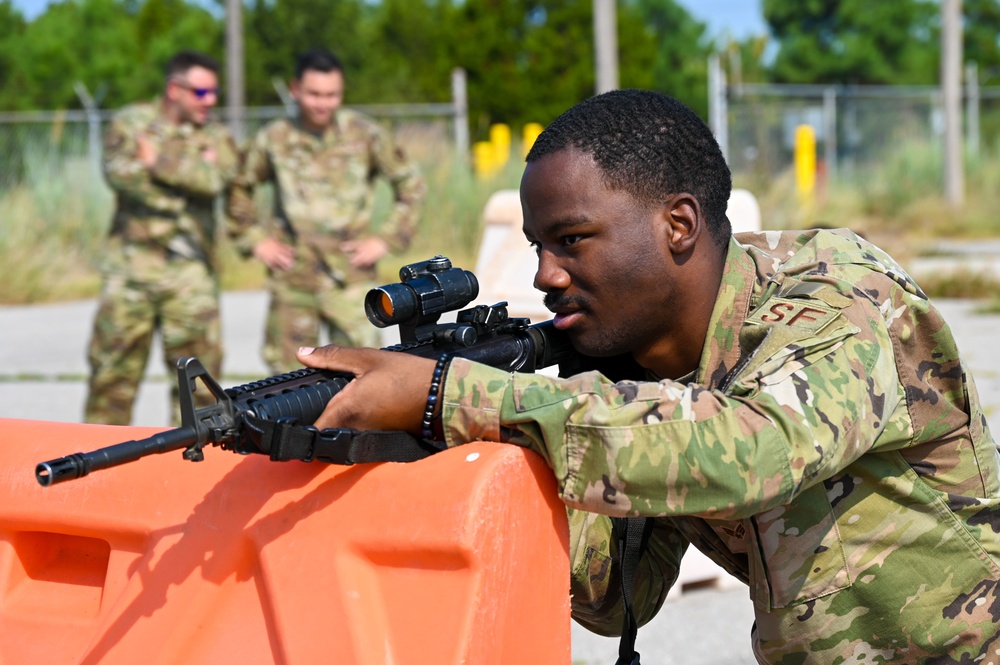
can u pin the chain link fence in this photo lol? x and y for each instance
(36, 145)
(855, 126)
(55, 205)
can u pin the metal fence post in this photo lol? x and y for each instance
(461, 103)
(951, 98)
(235, 85)
(287, 100)
(717, 104)
(605, 45)
(972, 108)
(830, 130)
(93, 125)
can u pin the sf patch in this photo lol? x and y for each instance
(798, 313)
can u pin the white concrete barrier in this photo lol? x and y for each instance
(506, 263)
(743, 211)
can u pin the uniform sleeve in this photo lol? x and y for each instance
(254, 169)
(408, 187)
(803, 409)
(122, 168)
(200, 165)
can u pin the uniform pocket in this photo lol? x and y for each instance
(796, 553)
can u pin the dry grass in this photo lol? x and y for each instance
(53, 225)
(900, 207)
(50, 238)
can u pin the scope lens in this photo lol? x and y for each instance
(421, 297)
(391, 304)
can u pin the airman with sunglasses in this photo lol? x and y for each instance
(167, 162)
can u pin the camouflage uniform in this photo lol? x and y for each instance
(324, 193)
(830, 451)
(160, 270)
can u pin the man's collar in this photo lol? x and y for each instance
(168, 125)
(722, 343)
(333, 129)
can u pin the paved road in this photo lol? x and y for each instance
(43, 363)
(43, 359)
(42, 374)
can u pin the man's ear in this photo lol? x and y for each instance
(172, 90)
(684, 222)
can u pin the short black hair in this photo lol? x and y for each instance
(181, 62)
(318, 60)
(649, 145)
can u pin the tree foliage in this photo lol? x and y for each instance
(678, 48)
(12, 27)
(981, 44)
(854, 41)
(277, 30)
(411, 54)
(526, 60)
(529, 60)
(114, 50)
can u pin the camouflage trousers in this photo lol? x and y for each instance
(301, 304)
(181, 300)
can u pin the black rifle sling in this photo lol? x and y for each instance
(632, 534)
(282, 440)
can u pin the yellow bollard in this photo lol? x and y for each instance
(484, 159)
(805, 162)
(500, 138)
(529, 133)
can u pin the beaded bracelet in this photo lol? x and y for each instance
(427, 424)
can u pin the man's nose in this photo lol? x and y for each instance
(550, 275)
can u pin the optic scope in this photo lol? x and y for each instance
(426, 289)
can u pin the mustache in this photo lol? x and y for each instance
(554, 301)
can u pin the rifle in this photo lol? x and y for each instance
(274, 416)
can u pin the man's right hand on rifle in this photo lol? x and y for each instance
(389, 390)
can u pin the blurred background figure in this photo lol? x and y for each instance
(167, 163)
(319, 245)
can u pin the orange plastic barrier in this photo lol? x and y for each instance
(459, 558)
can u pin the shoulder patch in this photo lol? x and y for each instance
(799, 313)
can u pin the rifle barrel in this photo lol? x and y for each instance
(79, 465)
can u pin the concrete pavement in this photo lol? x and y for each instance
(43, 362)
(43, 359)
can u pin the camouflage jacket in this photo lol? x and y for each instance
(324, 187)
(831, 453)
(168, 210)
